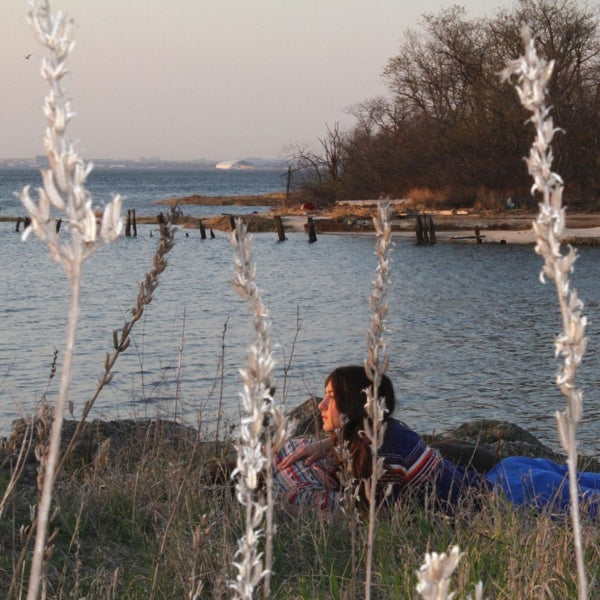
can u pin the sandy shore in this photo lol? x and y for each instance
(510, 229)
(520, 236)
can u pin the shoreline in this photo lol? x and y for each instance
(508, 226)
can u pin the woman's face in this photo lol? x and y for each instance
(329, 410)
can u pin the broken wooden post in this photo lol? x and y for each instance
(425, 229)
(134, 222)
(128, 224)
(202, 229)
(279, 226)
(161, 222)
(288, 185)
(419, 230)
(432, 238)
(312, 236)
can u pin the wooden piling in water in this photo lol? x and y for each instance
(478, 237)
(161, 222)
(280, 230)
(432, 238)
(128, 224)
(134, 223)
(17, 224)
(202, 229)
(232, 222)
(212, 234)
(419, 230)
(312, 236)
(58, 224)
(424, 229)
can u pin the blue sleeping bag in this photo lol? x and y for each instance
(543, 484)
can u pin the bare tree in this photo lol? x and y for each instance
(320, 172)
(446, 104)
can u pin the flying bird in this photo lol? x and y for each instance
(28, 56)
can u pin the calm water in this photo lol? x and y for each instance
(142, 188)
(471, 328)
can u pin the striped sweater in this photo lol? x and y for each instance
(409, 463)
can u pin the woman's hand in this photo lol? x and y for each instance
(311, 452)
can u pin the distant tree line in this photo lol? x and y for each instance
(451, 130)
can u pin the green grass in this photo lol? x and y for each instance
(147, 527)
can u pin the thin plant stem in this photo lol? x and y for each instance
(179, 366)
(221, 369)
(269, 514)
(35, 576)
(375, 366)
(288, 362)
(19, 466)
(350, 490)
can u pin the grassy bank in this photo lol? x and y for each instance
(153, 514)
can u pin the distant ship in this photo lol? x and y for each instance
(235, 164)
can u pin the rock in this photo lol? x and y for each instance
(119, 444)
(123, 443)
(478, 445)
(307, 417)
(502, 438)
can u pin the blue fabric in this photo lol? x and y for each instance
(543, 484)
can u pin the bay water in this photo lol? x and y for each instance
(471, 328)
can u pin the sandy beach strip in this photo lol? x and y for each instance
(500, 236)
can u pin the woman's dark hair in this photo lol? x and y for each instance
(349, 387)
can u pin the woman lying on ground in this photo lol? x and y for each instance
(307, 471)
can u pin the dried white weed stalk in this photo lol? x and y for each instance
(64, 194)
(263, 429)
(376, 365)
(434, 576)
(533, 74)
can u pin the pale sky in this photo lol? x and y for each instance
(214, 79)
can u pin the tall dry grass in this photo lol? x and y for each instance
(160, 517)
(533, 76)
(376, 365)
(63, 193)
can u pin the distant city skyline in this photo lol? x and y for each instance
(41, 160)
(206, 80)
